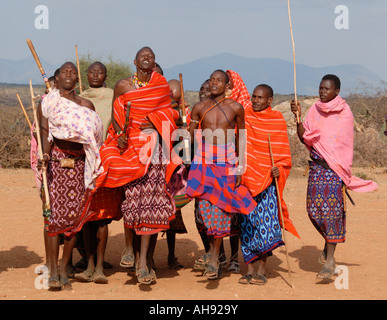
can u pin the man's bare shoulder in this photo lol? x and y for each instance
(201, 105)
(236, 106)
(123, 85)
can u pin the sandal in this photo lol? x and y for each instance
(127, 260)
(54, 283)
(212, 273)
(143, 276)
(245, 279)
(99, 278)
(65, 284)
(234, 266)
(258, 279)
(325, 274)
(84, 276)
(202, 261)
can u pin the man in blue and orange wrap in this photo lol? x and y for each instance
(215, 176)
(261, 228)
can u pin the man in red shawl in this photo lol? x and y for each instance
(260, 229)
(136, 158)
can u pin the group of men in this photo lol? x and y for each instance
(115, 154)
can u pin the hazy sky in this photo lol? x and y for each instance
(181, 31)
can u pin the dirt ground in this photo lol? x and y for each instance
(363, 254)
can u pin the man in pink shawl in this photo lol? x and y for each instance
(327, 132)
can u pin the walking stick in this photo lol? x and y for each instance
(184, 118)
(281, 215)
(24, 111)
(294, 61)
(40, 150)
(37, 60)
(79, 70)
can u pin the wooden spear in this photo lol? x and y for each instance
(294, 61)
(40, 149)
(184, 119)
(79, 69)
(37, 60)
(281, 215)
(24, 111)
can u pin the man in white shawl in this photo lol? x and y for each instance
(71, 133)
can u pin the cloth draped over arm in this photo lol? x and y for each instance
(72, 122)
(257, 177)
(151, 103)
(329, 130)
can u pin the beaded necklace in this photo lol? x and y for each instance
(137, 83)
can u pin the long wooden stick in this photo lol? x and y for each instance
(281, 215)
(24, 111)
(40, 150)
(184, 118)
(79, 70)
(294, 61)
(37, 60)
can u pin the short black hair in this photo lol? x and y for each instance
(100, 63)
(268, 88)
(334, 78)
(143, 48)
(225, 74)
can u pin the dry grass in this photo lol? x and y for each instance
(369, 109)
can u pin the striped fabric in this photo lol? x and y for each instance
(211, 178)
(151, 102)
(257, 177)
(239, 92)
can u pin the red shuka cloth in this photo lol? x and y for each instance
(258, 172)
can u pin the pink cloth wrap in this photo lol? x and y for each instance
(329, 130)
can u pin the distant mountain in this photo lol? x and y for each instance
(21, 71)
(275, 72)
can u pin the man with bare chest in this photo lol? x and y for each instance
(217, 125)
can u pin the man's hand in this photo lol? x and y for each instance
(122, 142)
(295, 107)
(43, 162)
(275, 172)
